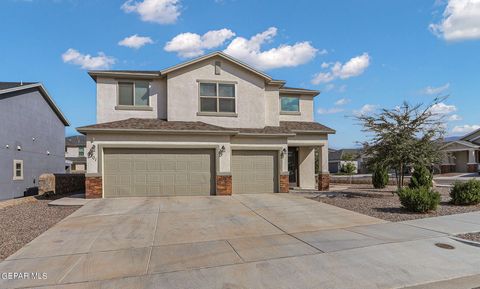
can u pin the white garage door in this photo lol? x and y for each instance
(158, 172)
(254, 172)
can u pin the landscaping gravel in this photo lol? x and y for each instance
(471, 236)
(383, 204)
(21, 223)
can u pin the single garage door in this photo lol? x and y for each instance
(158, 172)
(254, 172)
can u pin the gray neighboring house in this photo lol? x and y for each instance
(32, 137)
(338, 157)
(75, 153)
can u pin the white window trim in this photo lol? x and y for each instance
(217, 97)
(134, 106)
(286, 111)
(15, 162)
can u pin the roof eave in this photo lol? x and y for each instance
(313, 93)
(314, 131)
(85, 130)
(46, 96)
(122, 74)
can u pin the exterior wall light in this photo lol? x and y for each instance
(283, 152)
(48, 152)
(221, 151)
(7, 146)
(19, 148)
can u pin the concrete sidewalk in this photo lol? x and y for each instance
(243, 241)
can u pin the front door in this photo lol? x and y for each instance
(293, 166)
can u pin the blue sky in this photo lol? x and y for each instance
(362, 55)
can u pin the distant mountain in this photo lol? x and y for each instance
(452, 138)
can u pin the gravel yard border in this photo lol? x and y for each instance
(470, 236)
(381, 203)
(26, 219)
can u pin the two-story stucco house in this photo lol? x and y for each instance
(209, 126)
(75, 153)
(32, 137)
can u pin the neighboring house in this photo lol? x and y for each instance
(209, 126)
(338, 158)
(32, 137)
(462, 155)
(75, 153)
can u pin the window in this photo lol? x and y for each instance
(17, 170)
(81, 152)
(133, 93)
(217, 97)
(290, 103)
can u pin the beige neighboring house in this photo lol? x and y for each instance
(75, 154)
(462, 155)
(209, 126)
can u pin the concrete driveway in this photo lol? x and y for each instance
(244, 241)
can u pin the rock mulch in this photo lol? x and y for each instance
(471, 236)
(383, 204)
(24, 221)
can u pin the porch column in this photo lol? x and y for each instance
(472, 166)
(306, 167)
(223, 178)
(323, 173)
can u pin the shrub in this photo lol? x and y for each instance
(348, 168)
(419, 200)
(380, 177)
(421, 177)
(466, 193)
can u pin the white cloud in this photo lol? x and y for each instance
(86, 61)
(135, 41)
(461, 21)
(329, 110)
(191, 44)
(354, 67)
(454, 117)
(442, 108)
(465, 128)
(366, 109)
(158, 11)
(249, 51)
(430, 90)
(342, 101)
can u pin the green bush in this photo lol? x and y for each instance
(419, 200)
(421, 177)
(380, 177)
(466, 193)
(348, 168)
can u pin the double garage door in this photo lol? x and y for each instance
(184, 172)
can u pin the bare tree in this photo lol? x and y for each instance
(408, 135)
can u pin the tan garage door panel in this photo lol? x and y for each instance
(158, 172)
(254, 172)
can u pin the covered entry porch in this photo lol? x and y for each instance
(460, 157)
(308, 166)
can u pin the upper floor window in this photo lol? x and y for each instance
(217, 97)
(289, 103)
(81, 152)
(133, 93)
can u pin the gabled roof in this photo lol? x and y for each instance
(8, 87)
(217, 54)
(465, 137)
(462, 143)
(153, 125)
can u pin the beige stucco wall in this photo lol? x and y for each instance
(306, 110)
(306, 167)
(72, 152)
(461, 160)
(272, 105)
(183, 99)
(107, 101)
